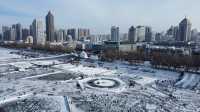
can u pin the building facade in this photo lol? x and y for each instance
(60, 35)
(115, 34)
(132, 34)
(25, 33)
(18, 32)
(72, 32)
(140, 32)
(83, 33)
(38, 33)
(50, 27)
(148, 34)
(184, 30)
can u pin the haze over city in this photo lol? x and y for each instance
(100, 15)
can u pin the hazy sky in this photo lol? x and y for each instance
(100, 15)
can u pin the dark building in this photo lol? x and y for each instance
(5, 28)
(148, 34)
(115, 34)
(1, 37)
(25, 33)
(64, 35)
(132, 34)
(31, 30)
(18, 32)
(6, 33)
(158, 37)
(72, 32)
(173, 32)
(194, 35)
(184, 30)
(50, 27)
(176, 32)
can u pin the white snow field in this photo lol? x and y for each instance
(55, 84)
(5, 54)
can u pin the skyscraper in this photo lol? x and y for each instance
(176, 32)
(38, 33)
(1, 36)
(25, 33)
(12, 35)
(18, 32)
(31, 30)
(148, 34)
(173, 32)
(115, 34)
(5, 32)
(184, 30)
(50, 27)
(158, 37)
(194, 34)
(132, 34)
(5, 28)
(140, 31)
(72, 32)
(59, 35)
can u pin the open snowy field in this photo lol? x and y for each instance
(5, 54)
(40, 83)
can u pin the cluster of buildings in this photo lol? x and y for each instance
(36, 34)
(181, 35)
(177, 38)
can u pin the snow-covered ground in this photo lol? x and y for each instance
(5, 54)
(85, 70)
(92, 86)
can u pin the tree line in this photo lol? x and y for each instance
(173, 61)
(46, 47)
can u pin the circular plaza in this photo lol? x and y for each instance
(104, 83)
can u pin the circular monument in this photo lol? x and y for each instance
(104, 84)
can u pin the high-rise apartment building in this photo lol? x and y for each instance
(148, 34)
(50, 27)
(140, 32)
(38, 32)
(25, 33)
(18, 32)
(72, 32)
(115, 34)
(184, 30)
(132, 34)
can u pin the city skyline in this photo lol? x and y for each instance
(99, 16)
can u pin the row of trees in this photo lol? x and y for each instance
(47, 47)
(157, 59)
(55, 48)
(176, 61)
(111, 55)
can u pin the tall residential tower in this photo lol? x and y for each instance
(115, 34)
(132, 34)
(38, 33)
(50, 27)
(184, 30)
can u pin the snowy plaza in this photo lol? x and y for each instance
(56, 83)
